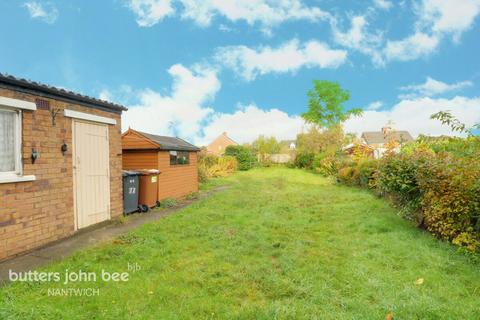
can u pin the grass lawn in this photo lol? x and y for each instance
(278, 244)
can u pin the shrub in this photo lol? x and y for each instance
(451, 201)
(367, 171)
(397, 176)
(245, 158)
(435, 181)
(212, 166)
(304, 160)
(346, 175)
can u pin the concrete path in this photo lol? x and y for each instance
(101, 232)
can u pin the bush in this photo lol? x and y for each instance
(304, 160)
(451, 199)
(212, 166)
(346, 175)
(367, 172)
(436, 183)
(245, 158)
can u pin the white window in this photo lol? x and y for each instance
(11, 139)
(10, 153)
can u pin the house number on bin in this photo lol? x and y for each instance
(132, 190)
(154, 179)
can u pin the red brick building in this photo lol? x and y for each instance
(60, 164)
(220, 143)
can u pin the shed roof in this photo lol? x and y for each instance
(170, 143)
(371, 137)
(43, 90)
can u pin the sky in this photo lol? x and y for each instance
(197, 68)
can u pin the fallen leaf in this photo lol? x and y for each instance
(389, 316)
(419, 281)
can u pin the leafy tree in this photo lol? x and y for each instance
(264, 147)
(317, 141)
(446, 118)
(325, 105)
(244, 156)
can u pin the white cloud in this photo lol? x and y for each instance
(358, 38)
(435, 20)
(247, 123)
(150, 12)
(375, 105)
(432, 87)
(289, 57)
(182, 111)
(185, 113)
(45, 11)
(266, 12)
(414, 116)
(411, 48)
(449, 16)
(383, 4)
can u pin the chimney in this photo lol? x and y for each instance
(388, 128)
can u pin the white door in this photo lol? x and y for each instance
(91, 173)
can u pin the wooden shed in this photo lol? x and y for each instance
(174, 157)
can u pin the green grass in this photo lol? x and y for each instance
(277, 244)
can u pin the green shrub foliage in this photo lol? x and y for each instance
(304, 160)
(212, 166)
(245, 158)
(436, 182)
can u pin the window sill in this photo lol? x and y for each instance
(15, 178)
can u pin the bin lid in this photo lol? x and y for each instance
(146, 172)
(129, 173)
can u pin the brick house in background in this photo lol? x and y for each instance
(60, 164)
(377, 140)
(219, 145)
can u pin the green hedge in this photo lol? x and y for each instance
(245, 158)
(438, 189)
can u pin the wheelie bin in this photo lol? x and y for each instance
(130, 192)
(148, 196)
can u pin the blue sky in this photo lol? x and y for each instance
(197, 68)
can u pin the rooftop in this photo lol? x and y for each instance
(170, 143)
(378, 136)
(47, 91)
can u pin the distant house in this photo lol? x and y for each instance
(219, 145)
(290, 144)
(378, 139)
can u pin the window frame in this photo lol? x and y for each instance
(18, 143)
(177, 154)
(17, 106)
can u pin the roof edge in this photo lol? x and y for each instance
(36, 88)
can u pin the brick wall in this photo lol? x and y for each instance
(35, 213)
(219, 145)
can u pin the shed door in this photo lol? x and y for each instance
(91, 173)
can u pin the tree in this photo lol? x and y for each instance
(317, 141)
(325, 105)
(264, 147)
(446, 118)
